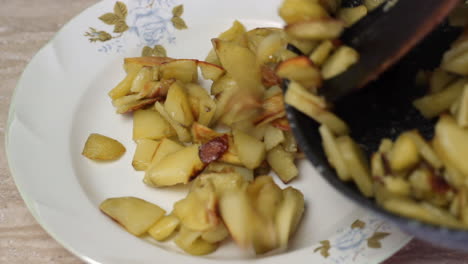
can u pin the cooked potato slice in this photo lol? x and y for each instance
(339, 62)
(250, 126)
(177, 105)
(123, 88)
(455, 60)
(420, 181)
(143, 77)
(357, 164)
(100, 147)
(223, 182)
(290, 144)
(241, 64)
(382, 194)
(257, 35)
(125, 100)
(298, 90)
(212, 58)
(178, 167)
(186, 237)
(264, 237)
(253, 189)
(462, 112)
(321, 53)
(251, 151)
(440, 79)
(268, 199)
(269, 47)
(197, 211)
(215, 234)
(269, 77)
(282, 162)
(236, 212)
(315, 107)
(302, 70)
(201, 103)
(272, 109)
(191, 242)
(146, 61)
(317, 29)
(223, 101)
(133, 102)
(351, 15)
(306, 46)
(210, 71)
(273, 137)
(333, 153)
(421, 211)
(220, 167)
(223, 83)
(454, 177)
(164, 227)
(377, 166)
(387, 144)
(198, 247)
(451, 143)
(425, 150)
(404, 154)
(156, 89)
(134, 106)
(165, 148)
(289, 214)
(455, 106)
(236, 33)
(203, 134)
(150, 124)
(183, 70)
(182, 132)
(397, 186)
(293, 11)
(272, 91)
(434, 104)
(155, 72)
(134, 214)
(144, 153)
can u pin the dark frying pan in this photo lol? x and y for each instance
(384, 109)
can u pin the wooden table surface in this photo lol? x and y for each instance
(25, 26)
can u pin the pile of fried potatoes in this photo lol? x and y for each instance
(427, 180)
(223, 142)
(255, 213)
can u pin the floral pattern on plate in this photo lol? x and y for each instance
(360, 240)
(150, 22)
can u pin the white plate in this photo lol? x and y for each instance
(62, 98)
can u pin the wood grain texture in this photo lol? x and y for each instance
(25, 26)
